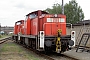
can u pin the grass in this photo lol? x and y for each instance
(3, 36)
(14, 48)
(11, 47)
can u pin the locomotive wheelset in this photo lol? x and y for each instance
(43, 31)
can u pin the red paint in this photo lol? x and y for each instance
(34, 27)
(18, 28)
(52, 27)
(22, 28)
(27, 26)
(47, 28)
(15, 29)
(39, 22)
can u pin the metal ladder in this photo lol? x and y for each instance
(84, 39)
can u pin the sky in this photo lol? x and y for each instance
(14, 10)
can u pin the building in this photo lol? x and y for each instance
(80, 28)
(7, 29)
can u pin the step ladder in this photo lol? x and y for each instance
(83, 41)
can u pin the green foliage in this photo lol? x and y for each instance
(56, 9)
(0, 36)
(10, 47)
(3, 36)
(72, 11)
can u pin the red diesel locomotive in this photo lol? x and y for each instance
(43, 31)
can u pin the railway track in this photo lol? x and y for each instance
(5, 39)
(50, 56)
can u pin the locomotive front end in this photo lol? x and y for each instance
(55, 33)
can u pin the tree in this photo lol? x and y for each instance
(56, 9)
(72, 11)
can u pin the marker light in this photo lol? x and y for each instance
(72, 32)
(55, 15)
(41, 33)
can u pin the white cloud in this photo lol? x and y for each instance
(14, 10)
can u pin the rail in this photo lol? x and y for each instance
(2, 40)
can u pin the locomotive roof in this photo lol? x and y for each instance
(36, 12)
(20, 21)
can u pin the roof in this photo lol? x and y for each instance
(20, 21)
(36, 12)
(84, 22)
